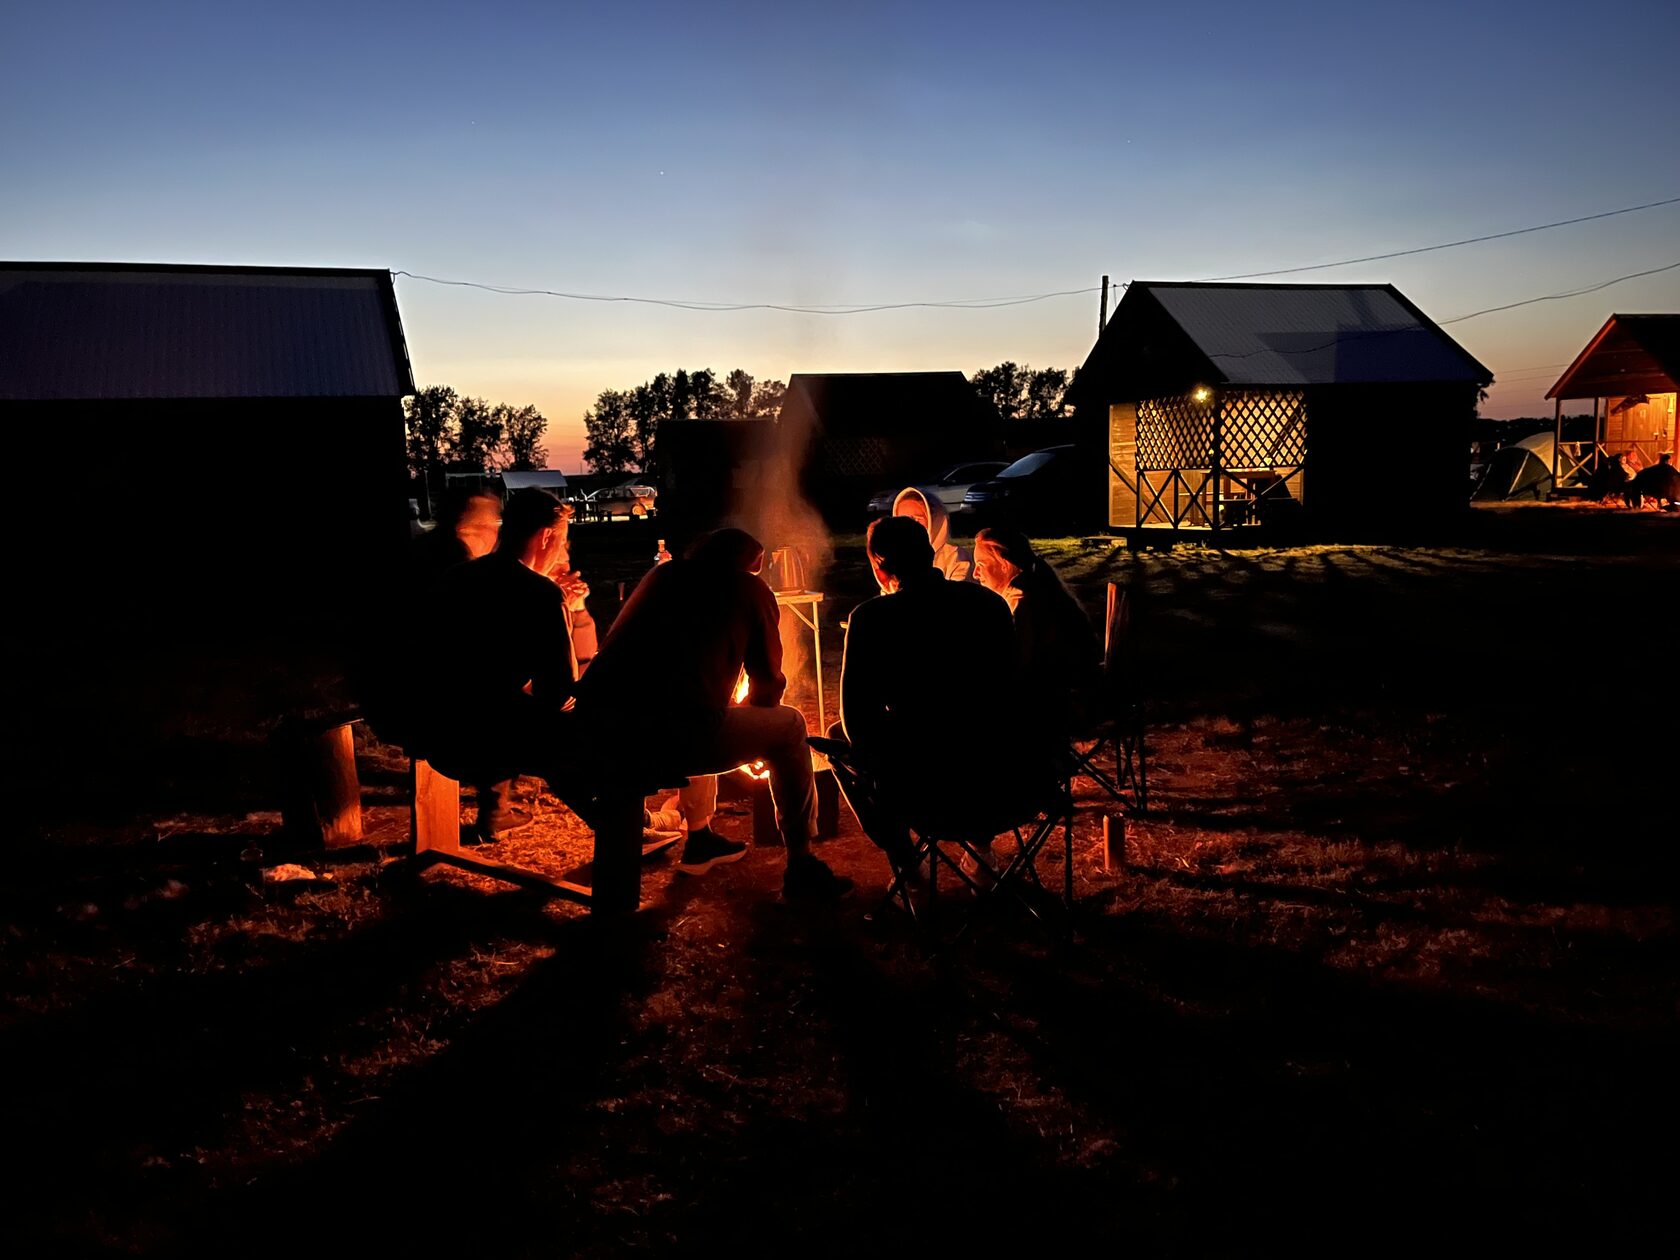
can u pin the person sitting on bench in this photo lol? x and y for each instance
(465, 529)
(501, 664)
(927, 656)
(661, 685)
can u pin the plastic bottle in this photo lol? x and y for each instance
(661, 556)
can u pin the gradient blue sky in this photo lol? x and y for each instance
(783, 153)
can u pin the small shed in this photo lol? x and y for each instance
(540, 479)
(862, 431)
(238, 435)
(1630, 370)
(1222, 406)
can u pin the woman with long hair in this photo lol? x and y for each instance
(1059, 658)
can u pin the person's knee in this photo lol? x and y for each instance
(788, 725)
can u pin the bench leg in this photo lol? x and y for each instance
(617, 868)
(437, 809)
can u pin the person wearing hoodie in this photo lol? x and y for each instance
(927, 511)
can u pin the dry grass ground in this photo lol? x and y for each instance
(1394, 962)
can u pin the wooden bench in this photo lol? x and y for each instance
(616, 868)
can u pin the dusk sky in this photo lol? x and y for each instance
(851, 154)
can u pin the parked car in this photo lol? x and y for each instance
(949, 488)
(630, 501)
(1036, 492)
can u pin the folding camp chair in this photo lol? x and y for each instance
(1118, 718)
(947, 841)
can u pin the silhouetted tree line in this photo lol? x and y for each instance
(623, 427)
(1020, 392)
(1492, 434)
(448, 431)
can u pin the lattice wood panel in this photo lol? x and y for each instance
(1262, 429)
(855, 456)
(1175, 433)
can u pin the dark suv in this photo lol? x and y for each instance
(1036, 492)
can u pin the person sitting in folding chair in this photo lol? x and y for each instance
(1058, 655)
(928, 655)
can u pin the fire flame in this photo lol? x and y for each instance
(754, 770)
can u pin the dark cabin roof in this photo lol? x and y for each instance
(106, 331)
(887, 402)
(1165, 336)
(1632, 354)
(542, 479)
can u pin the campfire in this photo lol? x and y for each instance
(787, 571)
(753, 769)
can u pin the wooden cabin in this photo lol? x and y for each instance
(1217, 407)
(1630, 370)
(864, 431)
(238, 435)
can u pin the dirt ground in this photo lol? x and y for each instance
(1393, 962)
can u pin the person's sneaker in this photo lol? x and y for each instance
(498, 827)
(662, 819)
(809, 879)
(706, 849)
(655, 841)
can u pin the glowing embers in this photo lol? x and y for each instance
(755, 769)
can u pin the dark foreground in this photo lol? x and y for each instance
(1395, 964)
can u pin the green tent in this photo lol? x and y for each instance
(1523, 470)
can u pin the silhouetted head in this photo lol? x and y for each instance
(473, 516)
(533, 528)
(898, 549)
(732, 549)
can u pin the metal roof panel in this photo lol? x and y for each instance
(1313, 334)
(131, 332)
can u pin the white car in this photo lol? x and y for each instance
(948, 489)
(630, 501)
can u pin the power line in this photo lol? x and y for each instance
(980, 304)
(1469, 240)
(1457, 319)
(836, 308)
(1553, 297)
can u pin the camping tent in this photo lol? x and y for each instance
(1523, 470)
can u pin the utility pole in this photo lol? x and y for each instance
(1102, 312)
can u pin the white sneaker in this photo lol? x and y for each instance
(653, 840)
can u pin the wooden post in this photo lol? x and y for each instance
(1102, 311)
(321, 800)
(1114, 842)
(1557, 441)
(1213, 498)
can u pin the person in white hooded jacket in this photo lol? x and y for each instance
(956, 563)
